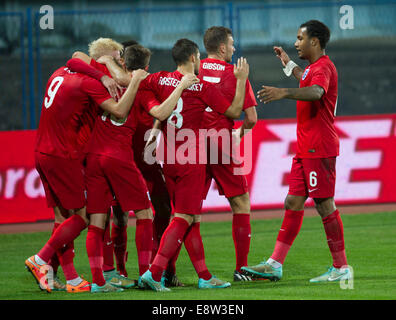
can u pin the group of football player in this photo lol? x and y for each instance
(95, 153)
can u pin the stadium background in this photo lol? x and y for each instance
(364, 57)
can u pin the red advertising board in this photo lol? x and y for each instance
(366, 167)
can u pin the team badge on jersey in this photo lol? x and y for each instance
(305, 74)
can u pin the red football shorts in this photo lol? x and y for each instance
(314, 178)
(185, 184)
(63, 181)
(108, 177)
(222, 169)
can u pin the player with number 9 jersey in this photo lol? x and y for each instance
(58, 154)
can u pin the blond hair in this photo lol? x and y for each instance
(103, 46)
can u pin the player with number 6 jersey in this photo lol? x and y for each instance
(313, 171)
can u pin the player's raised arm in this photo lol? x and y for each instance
(118, 73)
(289, 66)
(82, 56)
(241, 72)
(121, 108)
(164, 110)
(80, 62)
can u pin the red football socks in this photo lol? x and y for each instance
(144, 243)
(241, 233)
(69, 230)
(335, 238)
(94, 245)
(54, 261)
(108, 250)
(194, 246)
(66, 257)
(170, 243)
(160, 223)
(289, 230)
(171, 268)
(119, 238)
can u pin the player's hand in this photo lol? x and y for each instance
(241, 69)
(236, 136)
(282, 55)
(140, 74)
(111, 86)
(268, 94)
(104, 59)
(150, 151)
(188, 80)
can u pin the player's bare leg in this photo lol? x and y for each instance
(241, 233)
(291, 225)
(94, 244)
(334, 230)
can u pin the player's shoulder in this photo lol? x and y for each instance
(216, 65)
(157, 75)
(324, 62)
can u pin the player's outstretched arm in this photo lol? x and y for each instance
(241, 72)
(149, 151)
(81, 63)
(249, 122)
(121, 108)
(312, 93)
(290, 67)
(164, 110)
(117, 73)
(82, 56)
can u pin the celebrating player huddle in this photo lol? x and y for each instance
(94, 143)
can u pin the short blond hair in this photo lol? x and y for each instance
(103, 46)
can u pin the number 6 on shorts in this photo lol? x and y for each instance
(313, 181)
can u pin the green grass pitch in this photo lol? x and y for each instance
(369, 238)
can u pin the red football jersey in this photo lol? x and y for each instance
(68, 95)
(112, 137)
(87, 121)
(100, 67)
(221, 74)
(190, 108)
(316, 134)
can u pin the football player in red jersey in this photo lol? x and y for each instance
(111, 170)
(182, 174)
(152, 173)
(84, 124)
(58, 158)
(313, 171)
(216, 68)
(116, 242)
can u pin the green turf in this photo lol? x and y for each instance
(369, 238)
